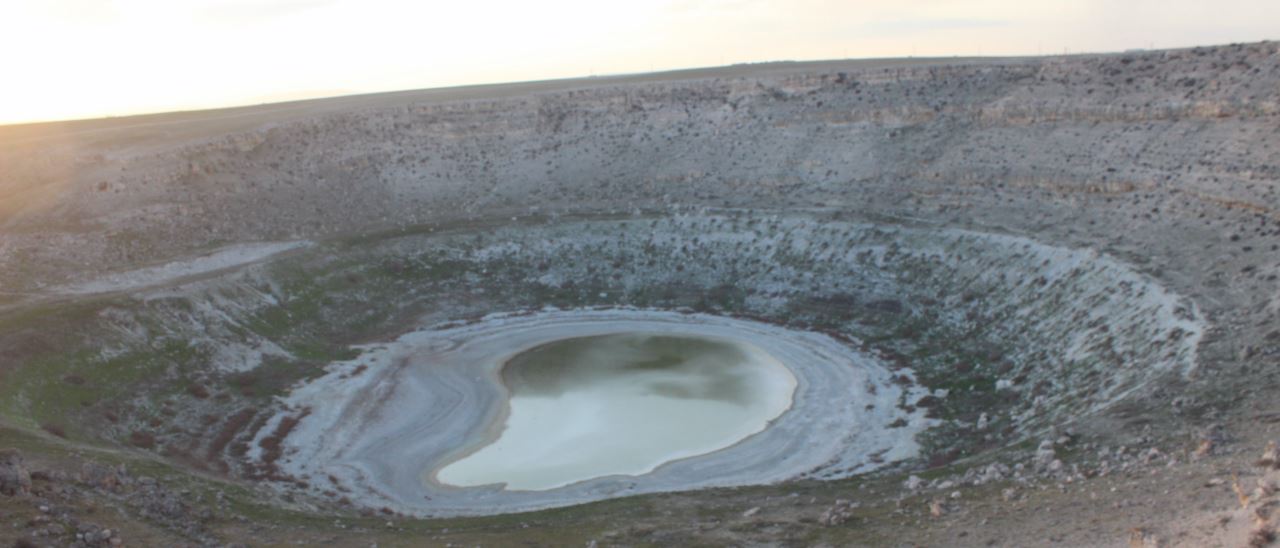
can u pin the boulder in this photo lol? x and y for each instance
(838, 514)
(1045, 455)
(14, 477)
(101, 476)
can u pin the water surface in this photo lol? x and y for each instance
(625, 403)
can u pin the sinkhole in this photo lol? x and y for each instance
(492, 369)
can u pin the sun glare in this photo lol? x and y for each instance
(89, 58)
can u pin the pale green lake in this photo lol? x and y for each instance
(603, 405)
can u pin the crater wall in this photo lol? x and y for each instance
(1151, 140)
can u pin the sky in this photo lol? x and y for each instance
(67, 59)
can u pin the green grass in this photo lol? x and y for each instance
(60, 389)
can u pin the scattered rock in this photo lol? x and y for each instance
(993, 472)
(838, 514)
(1241, 496)
(1055, 467)
(1203, 450)
(1261, 535)
(1045, 456)
(1270, 456)
(1142, 538)
(14, 477)
(1209, 440)
(154, 501)
(101, 476)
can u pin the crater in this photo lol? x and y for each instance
(502, 299)
(635, 355)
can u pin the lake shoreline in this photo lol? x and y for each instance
(385, 430)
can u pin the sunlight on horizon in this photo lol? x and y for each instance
(71, 59)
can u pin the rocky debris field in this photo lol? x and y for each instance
(60, 507)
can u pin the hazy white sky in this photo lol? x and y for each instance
(90, 58)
